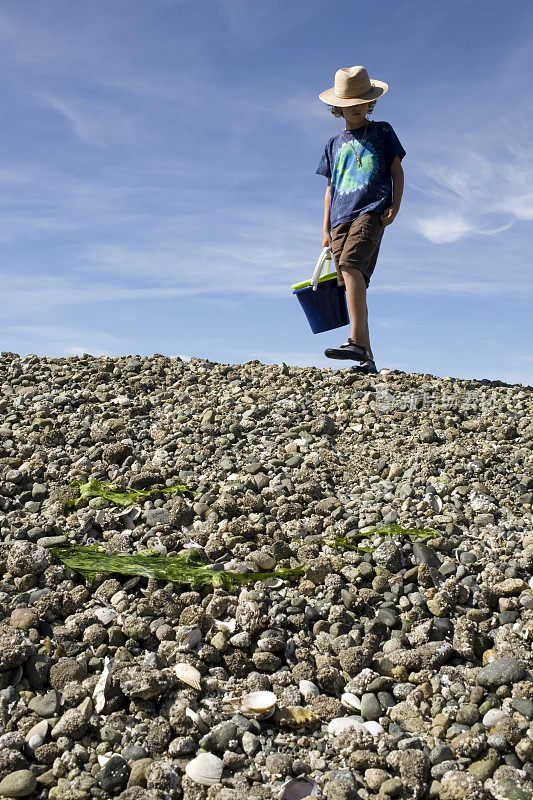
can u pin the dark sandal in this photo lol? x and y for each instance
(348, 350)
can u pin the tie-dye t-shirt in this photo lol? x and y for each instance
(356, 190)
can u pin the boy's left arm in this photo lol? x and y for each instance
(390, 213)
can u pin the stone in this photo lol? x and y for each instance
(114, 774)
(18, 784)
(501, 671)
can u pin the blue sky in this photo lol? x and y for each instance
(158, 189)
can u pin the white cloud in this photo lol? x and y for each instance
(443, 229)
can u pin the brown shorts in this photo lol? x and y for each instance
(356, 244)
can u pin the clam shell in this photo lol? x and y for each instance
(36, 735)
(205, 769)
(298, 788)
(373, 728)
(225, 625)
(102, 760)
(197, 719)
(188, 674)
(105, 615)
(308, 689)
(341, 724)
(351, 701)
(100, 688)
(256, 704)
(273, 583)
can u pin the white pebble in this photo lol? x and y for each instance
(493, 716)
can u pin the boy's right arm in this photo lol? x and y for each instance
(326, 232)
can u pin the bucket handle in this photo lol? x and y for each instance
(325, 256)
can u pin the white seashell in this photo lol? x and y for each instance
(205, 769)
(36, 735)
(187, 674)
(308, 689)
(493, 716)
(105, 615)
(273, 583)
(102, 760)
(351, 701)
(436, 503)
(374, 728)
(341, 724)
(228, 625)
(257, 704)
(298, 788)
(100, 688)
(197, 719)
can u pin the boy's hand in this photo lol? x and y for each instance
(388, 216)
(326, 239)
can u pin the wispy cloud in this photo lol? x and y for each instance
(95, 122)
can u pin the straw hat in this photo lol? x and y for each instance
(353, 87)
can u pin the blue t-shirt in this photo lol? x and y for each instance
(356, 190)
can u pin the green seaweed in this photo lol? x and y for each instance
(117, 495)
(188, 569)
(392, 529)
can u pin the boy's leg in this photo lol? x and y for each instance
(357, 307)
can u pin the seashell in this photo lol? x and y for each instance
(298, 788)
(374, 728)
(255, 703)
(273, 583)
(296, 717)
(228, 625)
(308, 689)
(103, 759)
(436, 503)
(197, 719)
(188, 674)
(36, 735)
(105, 615)
(128, 516)
(351, 701)
(340, 724)
(205, 769)
(100, 688)
(188, 637)
(100, 516)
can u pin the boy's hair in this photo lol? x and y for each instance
(337, 112)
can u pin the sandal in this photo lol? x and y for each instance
(367, 367)
(348, 350)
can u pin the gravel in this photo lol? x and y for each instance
(432, 636)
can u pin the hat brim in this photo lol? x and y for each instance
(378, 88)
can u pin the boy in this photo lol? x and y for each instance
(365, 187)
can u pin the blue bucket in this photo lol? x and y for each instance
(326, 307)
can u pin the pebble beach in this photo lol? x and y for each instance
(392, 664)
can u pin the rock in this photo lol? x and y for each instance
(370, 706)
(501, 671)
(24, 618)
(18, 784)
(15, 649)
(114, 774)
(461, 786)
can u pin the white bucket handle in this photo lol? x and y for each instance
(325, 256)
